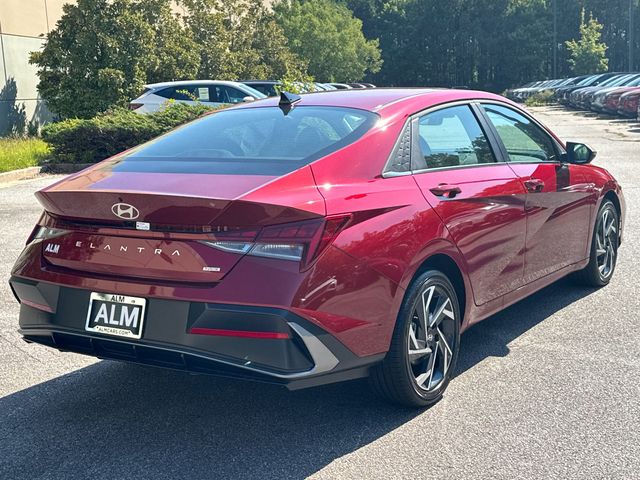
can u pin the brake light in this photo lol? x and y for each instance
(135, 106)
(301, 241)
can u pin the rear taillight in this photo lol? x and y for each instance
(45, 233)
(300, 242)
(135, 106)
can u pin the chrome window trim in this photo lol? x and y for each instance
(471, 102)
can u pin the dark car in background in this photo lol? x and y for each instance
(268, 87)
(563, 93)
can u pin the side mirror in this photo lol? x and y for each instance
(579, 153)
(248, 99)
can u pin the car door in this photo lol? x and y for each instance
(558, 204)
(478, 197)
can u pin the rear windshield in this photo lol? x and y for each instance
(251, 141)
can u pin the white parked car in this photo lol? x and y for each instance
(208, 92)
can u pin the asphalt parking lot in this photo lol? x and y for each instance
(549, 388)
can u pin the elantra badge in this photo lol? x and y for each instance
(125, 211)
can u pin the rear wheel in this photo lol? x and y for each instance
(604, 248)
(424, 347)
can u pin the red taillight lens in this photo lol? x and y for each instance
(135, 106)
(307, 239)
(300, 241)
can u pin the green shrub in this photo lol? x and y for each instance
(544, 97)
(93, 140)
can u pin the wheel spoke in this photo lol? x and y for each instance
(413, 339)
(443, 339)
(441, 312)
(432, 366)
(415, 355)
(423, 308)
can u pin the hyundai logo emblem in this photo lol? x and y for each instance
(126, 211)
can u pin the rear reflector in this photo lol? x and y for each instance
(238, 333)
(39, 306)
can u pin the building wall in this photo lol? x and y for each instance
(23, 26)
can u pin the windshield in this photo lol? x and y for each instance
(251, 141)
(588, 81)
(615, 81)
(252, 91)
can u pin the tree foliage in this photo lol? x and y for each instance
(240, 39)
(102, 52)
(588, 54)
(488, 44)
(328, 35)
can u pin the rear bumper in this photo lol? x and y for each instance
(302, 355)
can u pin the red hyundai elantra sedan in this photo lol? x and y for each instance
(318, 239)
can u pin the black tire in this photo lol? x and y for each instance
(395, 378)
(594, 275)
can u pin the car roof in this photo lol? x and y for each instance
(191, 82)
(383, 99)
(266, 82)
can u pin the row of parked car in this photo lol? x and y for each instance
(613, 92)
(218, 92)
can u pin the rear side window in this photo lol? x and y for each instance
(226, 94)
(451, 137)
(251, 141)
(188, 93)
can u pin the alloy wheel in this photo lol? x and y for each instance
(431, 339)
(606, 243)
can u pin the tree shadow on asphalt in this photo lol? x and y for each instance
(112, 420)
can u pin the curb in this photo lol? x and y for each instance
(22, 174)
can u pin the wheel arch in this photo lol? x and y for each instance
(611, 195)
(615, 199)
(447, 265)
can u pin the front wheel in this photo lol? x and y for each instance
(424, 346)
(604, 248)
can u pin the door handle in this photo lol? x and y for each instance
(534, 185)
(445, 190)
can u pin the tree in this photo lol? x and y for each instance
(102, 52)
(240, 39)
(328, 35)
(587, 55)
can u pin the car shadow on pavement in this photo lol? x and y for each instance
(491, 337)
(120, 421)
(113, 420)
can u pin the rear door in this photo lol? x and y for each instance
(478, 197)
(558, 202)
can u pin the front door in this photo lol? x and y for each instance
(480, 200)
(558, 201)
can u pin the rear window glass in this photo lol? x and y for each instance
(251, 141)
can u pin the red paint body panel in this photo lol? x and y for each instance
(558, 216)
(505, 241)
(486, 221)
